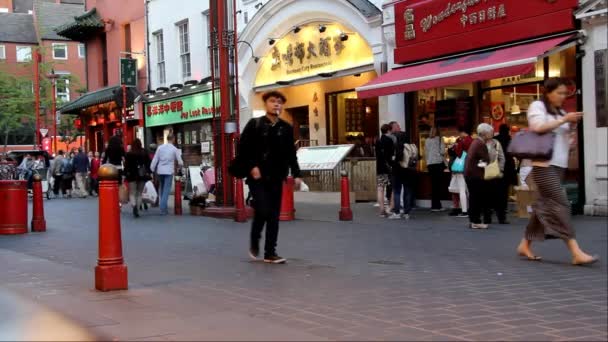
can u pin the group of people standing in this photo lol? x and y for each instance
(75, 173)
(483, 171)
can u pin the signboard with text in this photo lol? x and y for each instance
(426, 29)
(311, 52)
(181, 109)
(128, 72)
(322, 158)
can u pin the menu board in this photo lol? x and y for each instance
(318, 158)
(355, 115)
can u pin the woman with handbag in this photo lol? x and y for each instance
(493, 176)
(458, 185)
(474, 173)
(551, 213)
(434, 153)
(137, 171)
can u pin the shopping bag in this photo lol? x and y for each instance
(492, 171)
(458, 165)
(123, 194)
(149, 194)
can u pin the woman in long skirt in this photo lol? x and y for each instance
(551, 212)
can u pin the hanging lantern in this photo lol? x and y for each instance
(100, 119)
(112, 117)
(77, 123)
(118, 124)
(93, 122)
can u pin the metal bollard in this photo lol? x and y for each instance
(110, 272)
(241, 212)
(346, 213)
(38, 221)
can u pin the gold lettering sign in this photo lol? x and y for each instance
(468, 15)
(310, 52)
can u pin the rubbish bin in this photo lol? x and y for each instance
(13, 207)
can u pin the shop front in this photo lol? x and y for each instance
(100, 115)
(186, 116)
(461, 64)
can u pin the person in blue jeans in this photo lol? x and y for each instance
(163, 165)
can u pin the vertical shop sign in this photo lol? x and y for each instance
(601, 83)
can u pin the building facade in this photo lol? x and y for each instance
(110, 33)
(594, 21)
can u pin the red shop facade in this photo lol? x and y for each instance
(461, 63)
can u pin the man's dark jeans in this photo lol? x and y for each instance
(401, 183)
(266, 196)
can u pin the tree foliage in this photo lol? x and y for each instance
(16, 104)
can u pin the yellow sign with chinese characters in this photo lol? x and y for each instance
(311, 52)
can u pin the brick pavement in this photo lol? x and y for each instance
(426, 279)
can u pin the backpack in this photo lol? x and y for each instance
(67, 167)
(410, 156)
(237, 167)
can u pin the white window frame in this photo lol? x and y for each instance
(2, 52)
(64, 96)
(26, 60)
(84, 49)
(160, 57)
(183, 38)
(55, 45)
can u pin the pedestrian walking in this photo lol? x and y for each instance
(56, 171)
(81, 168)
(137, 172)
(67, 174)
(494, 186)
(384, 155)
(163, 165)
(115, 154)
(434, 154)
(94, 175)
(551, 216)
(478, 158)
(267, 153)
(458, 185)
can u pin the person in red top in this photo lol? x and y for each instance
(94, 176)
(458, 186)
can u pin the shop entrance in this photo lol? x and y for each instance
(301, 127)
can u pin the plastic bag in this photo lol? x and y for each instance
(149, 195)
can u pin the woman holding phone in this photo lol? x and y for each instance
(551, 213)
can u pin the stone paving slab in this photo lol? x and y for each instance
(427, 279)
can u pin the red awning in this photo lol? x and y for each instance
(515, 60)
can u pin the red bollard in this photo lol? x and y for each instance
(287, 203)
(239, 197)
(111, 272)
(178, 196)
(38, 221)
(346, 214)
(13, 207)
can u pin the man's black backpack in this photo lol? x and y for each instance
(238, 168)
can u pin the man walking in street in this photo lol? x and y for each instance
(268, 153)
(404, 173)
(384, 155)
(81, 166)
(163, 165)
(57, 172)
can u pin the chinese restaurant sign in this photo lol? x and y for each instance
(310, 52)
(426, 29)
(181, 109)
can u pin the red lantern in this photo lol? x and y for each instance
(101, 120)
(77, 123)
(93, 122)
(112, 117)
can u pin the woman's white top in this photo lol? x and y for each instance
(537, 116)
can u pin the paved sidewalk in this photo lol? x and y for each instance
(429, 278)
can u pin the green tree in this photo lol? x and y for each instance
(16, 104)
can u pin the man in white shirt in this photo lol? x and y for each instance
(163, 165)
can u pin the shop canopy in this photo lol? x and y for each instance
(515, 60)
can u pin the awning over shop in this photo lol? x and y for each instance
(515, 60)
(100, 96)
(82, 27)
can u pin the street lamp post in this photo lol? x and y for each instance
(53, 77)
(36, 61)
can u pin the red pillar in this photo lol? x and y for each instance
(241, 212)
(287, 202)
(111, 272)
(178, 196)
(38, 221)
(346, 214)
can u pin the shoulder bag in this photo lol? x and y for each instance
(459, 162)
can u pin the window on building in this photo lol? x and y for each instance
(2, 52)
(184, 49)
(62, 88)
(60, 51)
(82, 52)
(24, 54)
(160, 57)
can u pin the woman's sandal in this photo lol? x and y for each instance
(529, 257)
(591, 261)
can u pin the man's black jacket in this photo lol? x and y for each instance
(270, 147)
